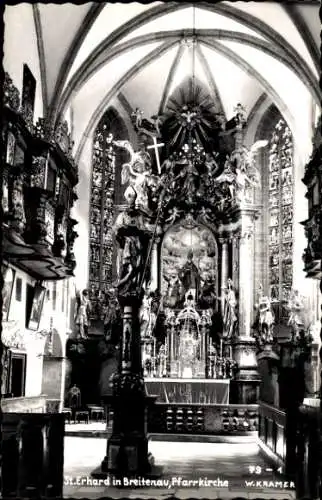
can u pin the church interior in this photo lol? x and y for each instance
(161, 250)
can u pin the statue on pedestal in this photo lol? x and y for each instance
(230, 316)
(147, 316)
(137, 172)
(129, 229)
(83, 308)
(299, 315)
(265, 320)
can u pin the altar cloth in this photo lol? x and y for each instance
(197, 391)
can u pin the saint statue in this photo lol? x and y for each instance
(112, 318)
(264, 322)
(230, 316)
(82, 314)
(131, 267)
(147, 317)
(189, 275)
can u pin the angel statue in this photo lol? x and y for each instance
(228, 178)
(136, 172)
(247, 174)
(174, 214)
(211, 164)
(205, 215)
(297, 310)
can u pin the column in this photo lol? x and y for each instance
(154, 265)
(245, 283)
(224, 271)
(127, 446)
(245, 388)
(235, 261)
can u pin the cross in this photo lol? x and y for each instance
(155, 146)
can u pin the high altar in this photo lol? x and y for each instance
(195, 319)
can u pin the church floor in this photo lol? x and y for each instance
(186, 460)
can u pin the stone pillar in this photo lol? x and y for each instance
(154, 265)
(246, 385)
(235, 261)
(224, 271)
(127, 446)
(245, 283)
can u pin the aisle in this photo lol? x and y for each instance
(191, 470)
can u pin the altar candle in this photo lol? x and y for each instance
(221, 348)
(154, 348)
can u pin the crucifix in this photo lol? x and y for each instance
(155, 146)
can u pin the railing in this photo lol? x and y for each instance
(32, 455)
(308, 441)
(208, 419)
(272, 431)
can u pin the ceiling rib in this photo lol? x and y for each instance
(125, 103)
(80, 77)
(262, 29)
(170, 78)
(258, 105)
(145, 61)
(245, 66)
(244, 18)
(91, 16)
(211, 80)
(113, 38)
(41, 55)
(305, 34)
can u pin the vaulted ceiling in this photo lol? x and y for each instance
(139, 54)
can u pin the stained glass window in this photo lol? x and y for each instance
(101, 214)
(280, 219)
(105, 196)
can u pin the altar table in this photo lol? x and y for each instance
(179, 390)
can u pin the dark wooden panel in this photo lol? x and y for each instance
(33, 454)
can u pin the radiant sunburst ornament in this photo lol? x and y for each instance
(191, 114)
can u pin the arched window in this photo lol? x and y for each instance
(277, 197)
(106, 194)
